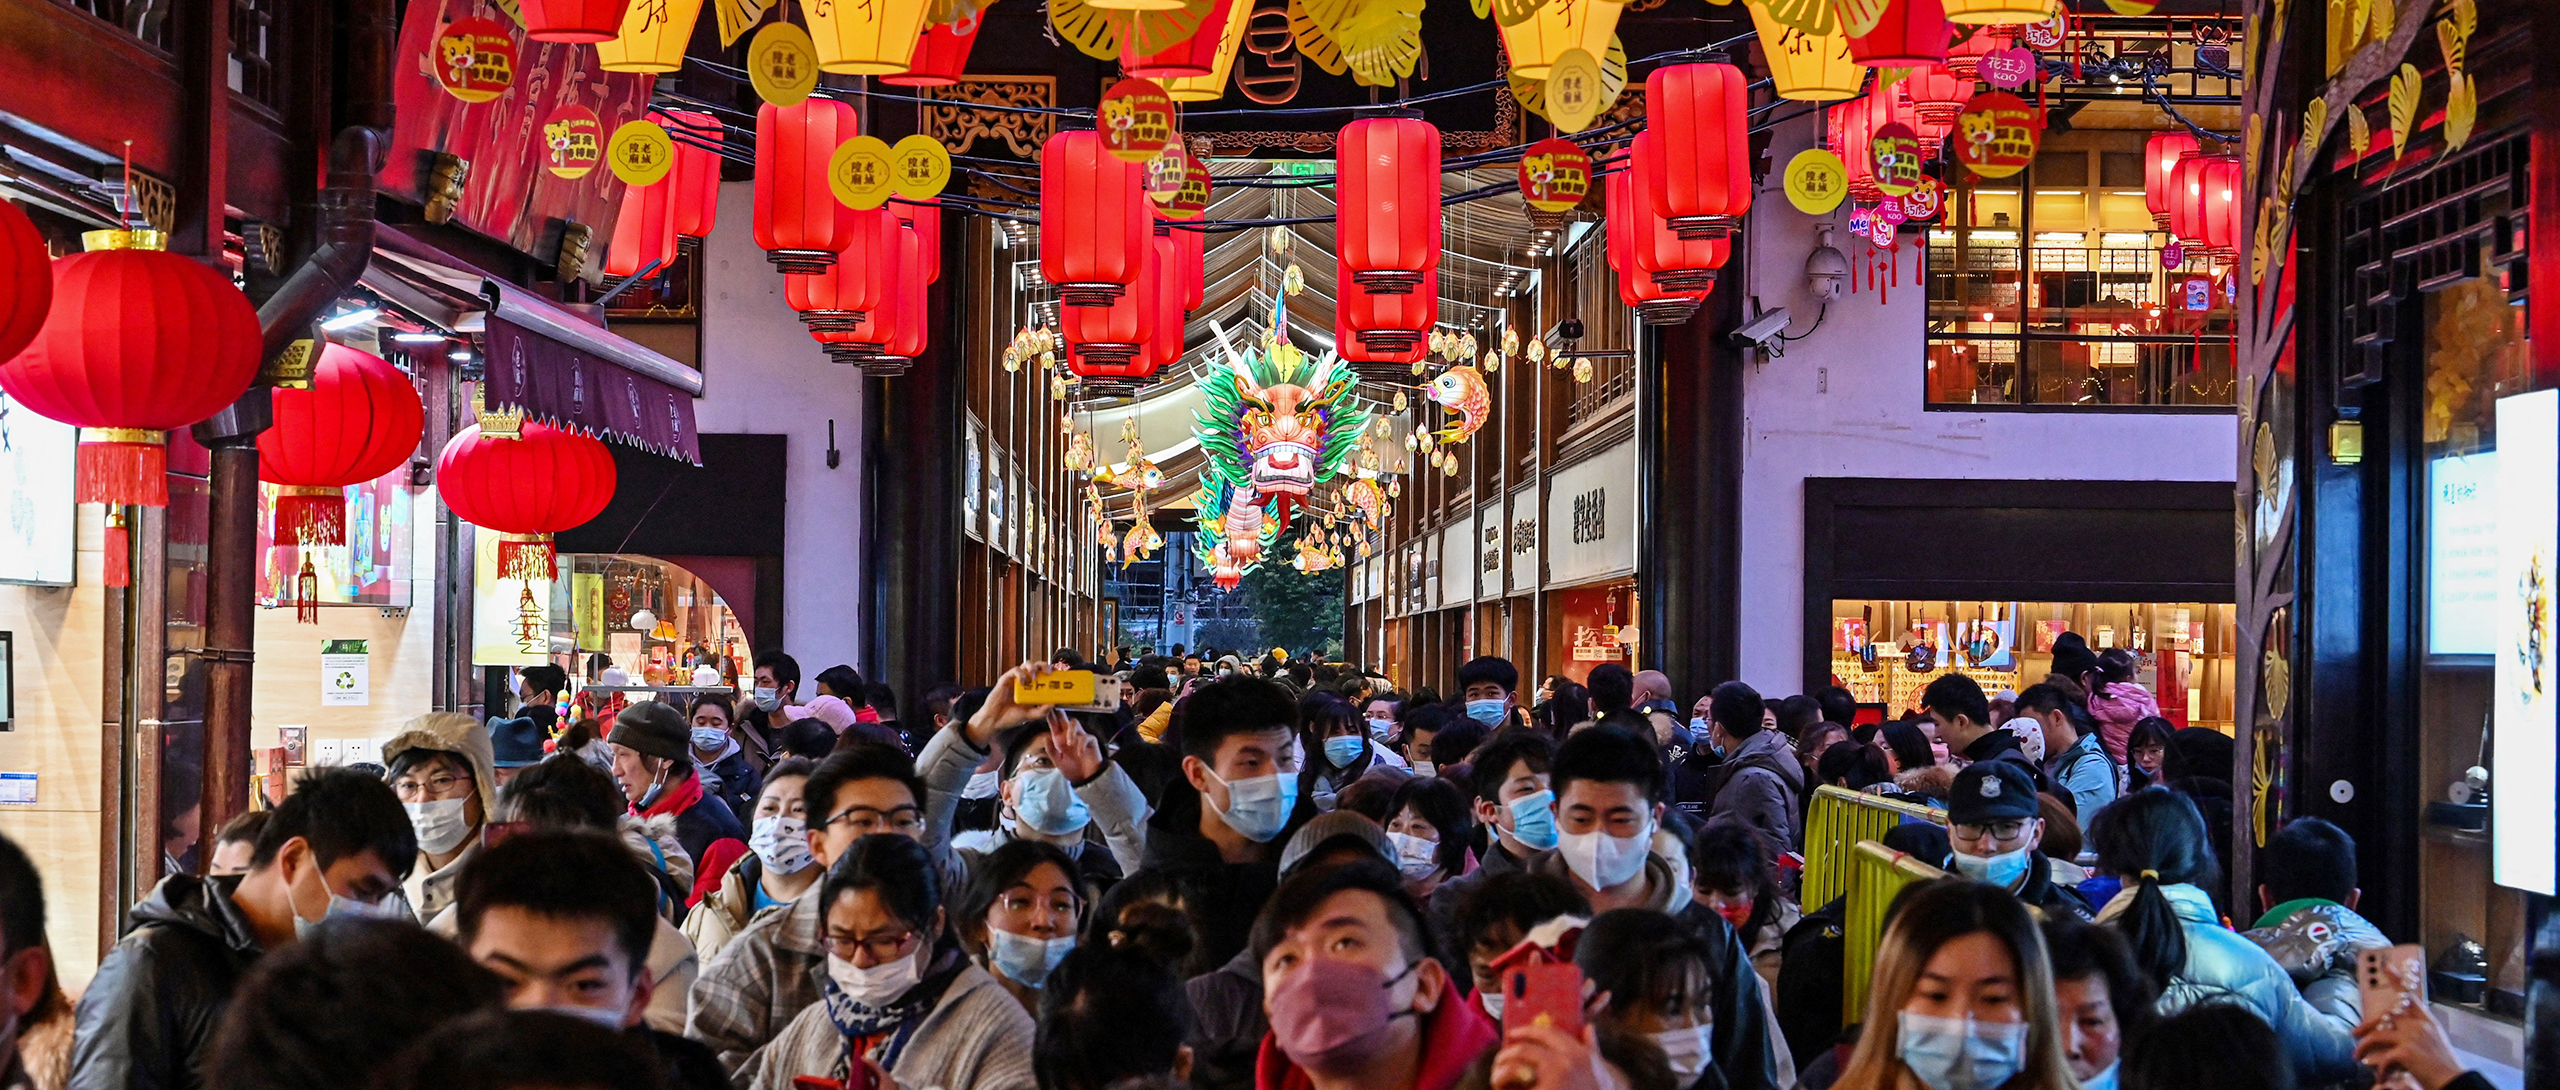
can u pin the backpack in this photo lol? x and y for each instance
(1814, 960)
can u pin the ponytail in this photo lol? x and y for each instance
(2153, 838)
(2150, 927)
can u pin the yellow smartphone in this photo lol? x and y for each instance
(1068, 690)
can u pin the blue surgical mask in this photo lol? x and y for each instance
(1533, 820)
(1960, 1053)
(1698, 728)
(710, 739)
(1045, 803)
(2104, 1080)
(1026, 960)
(2002, 870)
(1258, 806)
(1488, 712)
(768, 698)
(1341, 750)
(1381, 728)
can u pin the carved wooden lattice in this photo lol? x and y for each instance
(960, 126)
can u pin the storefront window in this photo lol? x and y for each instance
(623, 623)
(1887, 653)
(2477, 353)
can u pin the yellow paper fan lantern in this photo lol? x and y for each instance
(1807, 67)
(1558, 25)
(654, 33)
(864, 37)
(1137, 5)
(1983, 12)
(1213, 85)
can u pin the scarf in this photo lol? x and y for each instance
(678, 797)
(881, 1033)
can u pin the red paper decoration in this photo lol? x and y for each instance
(1997, 133)
(695, 198)
(1675, 262)
(2221, 197)
(800, 225)
(1190, 266)
(907, 340)
(1699, 121)
(1094, 220)
(2160, 157)
(26, 280)
(1386, 216)
(135, 343)
(1653, 302)
(574, 20)
(1911, 34)
(549, 480)
(1191, 57)
(360, 419)
(2187, 200)
(942, 53)
(862, 280)
(644, 231)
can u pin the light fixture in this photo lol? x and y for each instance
(460, 355)
(351, 319)
(417, 337)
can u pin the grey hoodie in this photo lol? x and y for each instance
(1761, 785)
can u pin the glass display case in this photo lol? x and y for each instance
(1887, 652)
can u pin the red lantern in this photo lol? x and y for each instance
(2221, 206)
(1386, 322)
(360, 419)
(926, 218)
(1165, 332)
(135, 342)
(26, 280)
(1852, 130)
(574, 20)
(881, 269)
(1094, 220)
(1912, 33)
(1385, 365)
(1676, 263)
(800, 224)
(1105, 341)
(1386, 217)
(1191, 247)
(1700, 125)
(912, 332)
(2186, 199)
(1653, 302)
(644, 232)
(549, 480)
(942, 53)
(1937, 96)
(1194, 56)
(2160, 156)
(862, 280)
(696, 174)
(1964, 58)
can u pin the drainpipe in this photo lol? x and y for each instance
(231, 562)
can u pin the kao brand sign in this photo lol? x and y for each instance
(1591, 516)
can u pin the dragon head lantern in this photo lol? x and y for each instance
(1274, 424)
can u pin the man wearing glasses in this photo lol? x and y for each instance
(1995, 833)
(755, 985)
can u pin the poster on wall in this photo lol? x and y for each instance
(972, 468)
(346, 674)
(2522, 795)
(372, 569)
(510, 618)
(39, 521)
(2462, 554)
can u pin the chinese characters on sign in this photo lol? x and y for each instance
(1555, 175)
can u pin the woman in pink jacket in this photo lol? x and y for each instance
(2116, 701)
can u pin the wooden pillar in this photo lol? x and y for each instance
(1689, 425)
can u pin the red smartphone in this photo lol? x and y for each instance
(1547, 992)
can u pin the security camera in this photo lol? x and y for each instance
(1762, 332)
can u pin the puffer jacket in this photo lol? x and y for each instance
(147, 1017)
(2223, 966)
(2318, 943)
(1762, 782)
(2117, 710)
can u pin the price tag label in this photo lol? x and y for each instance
(919, 167)
(782, 64)
(860, 172)
(640, 152)
(475, 59)
(1816, 181)
(1574, 97)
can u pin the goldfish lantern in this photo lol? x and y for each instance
(1703, 184)
(1094, 220)
(1386, 216)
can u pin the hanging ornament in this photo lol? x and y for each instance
(475, 59)
(529, 488)
(1582, 369)
(652, 37)
(1996, 134)
(1815, 182)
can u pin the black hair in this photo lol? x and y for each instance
(21, 900)
(843, 681)
(786, 670)
(1909, 744)
(1232, 705)
(563, 791)
(1320, 711)
(244, 828)
(1493, 766)
(563, 875)
(1519, 898)
(728, 708)
(1010, 865)
(1493, 668)
(2079, 949)
(2309, 857)
(1301, 892)
(519, 1050)
(2215, 1046)
(332, 1009)
(1644, 958)
(1568, 705)
(2150, 730)
(1150, 677)
(2048, 698)
(1013, 741)
(1373, 797)
(893, 868)
(2072, 657)
(1417, 716)
(414, 756)
(341, 813)
(856, 759)
(1818, 737)
(1954, 695)
(940, 699)
(1737, 708)
(1613, 688)
(1732, 857)
(1457, 738)
(2062, 836)
(2151, 838)
(1445, 806)
(1838, 705)
(2198, 753)
(1851, 765)
(1798, 713)
(1114, 1010)
(1068, 657)
(1608, 755)
(2115, 666)
(545, 677)
(1155, 909)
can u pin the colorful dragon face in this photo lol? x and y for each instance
(1273, 425)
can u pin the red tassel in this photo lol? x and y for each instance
(526, 558)
(306, 594)
(311, 517)
(119, 559)
(124, 471)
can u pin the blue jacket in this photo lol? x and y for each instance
(2223, 966)
(2084, 770)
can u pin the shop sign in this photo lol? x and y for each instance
(1897, 158)
(859, 173)
(2008, 69)
(572, 142)
(510, 618)
(640, 152)
(1521, 542)
(1554, 175)
(1136, 119)
(972, 468)
(1816, 181)
(561, 385)
(1996, 134)
(1457, 564)
(346, 674)
(38, 539)
(2522, 796)
(1591, 513)
(919, 167)
(782, 64)
(1576, 90)
(1596, 643)
(1192, 199)
(371, 569)
(1490, 534)
(475, 59)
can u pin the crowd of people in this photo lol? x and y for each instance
(1255, 873)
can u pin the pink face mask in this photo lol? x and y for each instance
(1332, 1017)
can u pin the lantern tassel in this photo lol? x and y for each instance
(314, 517)
(119, 552)
(526, 558)
(306, 594)
(124, 465)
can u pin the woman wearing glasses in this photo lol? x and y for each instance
(440, 767)
(1021, 913)
(900, 999)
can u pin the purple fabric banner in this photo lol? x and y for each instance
(565, 387)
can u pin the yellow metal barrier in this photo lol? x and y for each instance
(1876, 873)
(1838, 819)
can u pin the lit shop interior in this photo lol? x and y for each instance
(1887, 652)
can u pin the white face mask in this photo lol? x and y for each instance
(440, 825)
(879, 985)
(1688, 1050)
(1416, 857)
(1492, 1000)
(782, 841)
(1603, 861)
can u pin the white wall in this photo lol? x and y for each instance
(1847, 402)
(762, 375)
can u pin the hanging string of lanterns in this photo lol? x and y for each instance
(1094, 219)
(799, 223)
(1387, 203)
(1702, 183)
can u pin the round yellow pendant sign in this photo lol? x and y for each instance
(861, 174)
(1574, 93)
(782, 63)
(919, 166)
(640, 152)
(1816, 182)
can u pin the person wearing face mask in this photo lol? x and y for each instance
(329, 1012)
(1995, 833)
(1020, 912)
(1429, 823)
(440, 768)
(1762, 780)
(566, 919)
(1662, 714)
(653, 760)
(1660, 988)
(898, 997)
(1513, 803)
(336, 846)
(32, 1004)
(1055, 784)
(1607, 811)
(2102, 998)
(1381, 711)
(1357, 996)
(1486, 684)
(1497, 915)
(777, 868)
(1962, 998)
(1738, 880)
(777, 685)
(1338, 746)
(719, 757)
(1241, 762)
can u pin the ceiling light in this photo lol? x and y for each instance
(418, 337)
(351, 319)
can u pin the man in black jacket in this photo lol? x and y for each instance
(1963, 716)
(1240, 761)
(336, 847)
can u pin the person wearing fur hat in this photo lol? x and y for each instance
(439, 765)
(653, 761)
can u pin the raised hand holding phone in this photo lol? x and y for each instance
(1001, 709)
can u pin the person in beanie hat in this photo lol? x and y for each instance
(514, 744)
(1996, 833)
(653, 761)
